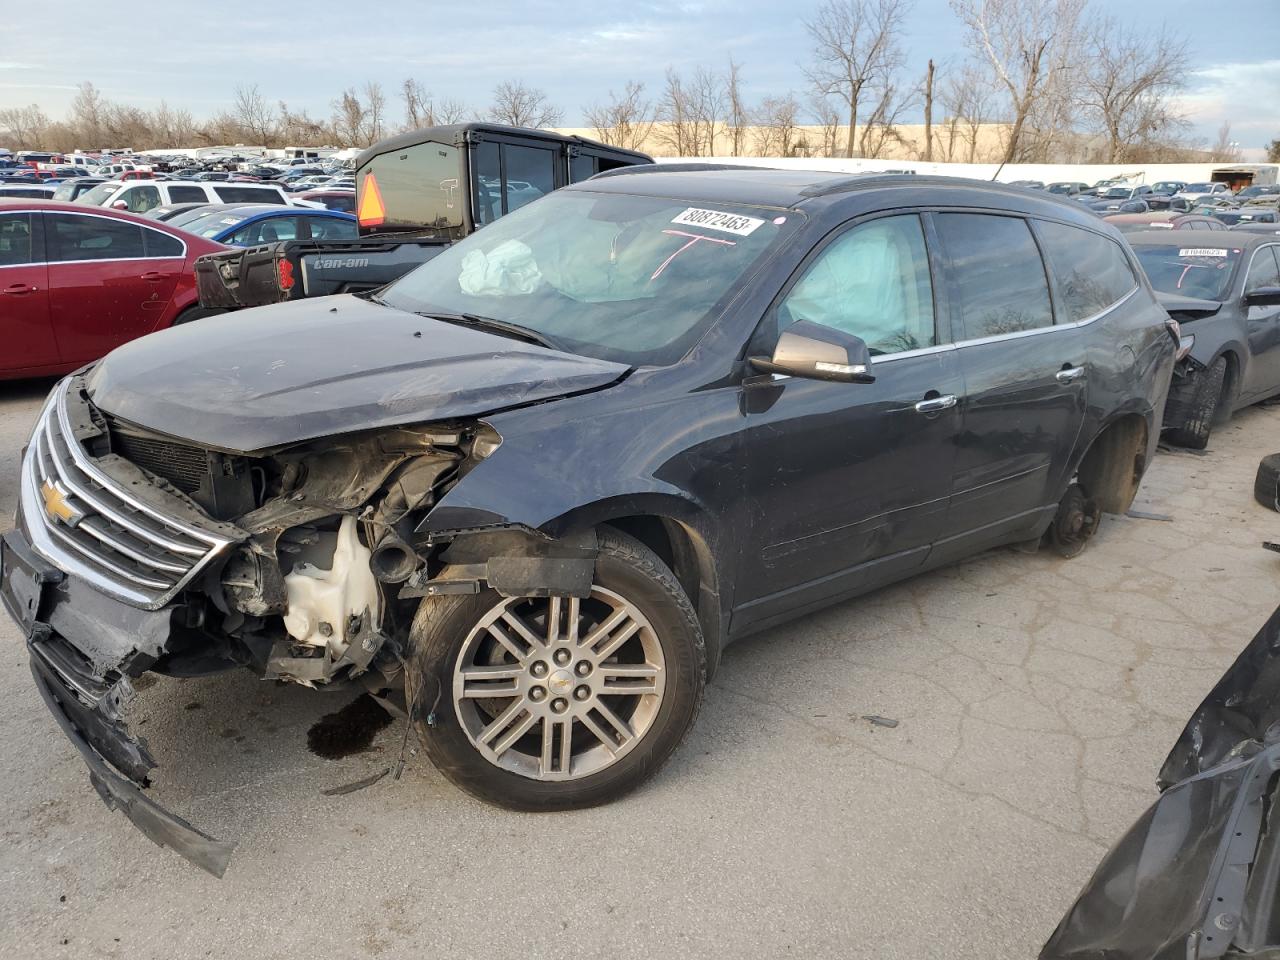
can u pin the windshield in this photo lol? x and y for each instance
(1117, 193)
(65, 191)
(627, 278)
(1199, 188)
(1189, 271)
(99, 194)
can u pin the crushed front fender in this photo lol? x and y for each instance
(1198, 876)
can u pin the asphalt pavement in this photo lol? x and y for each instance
(1035, 697)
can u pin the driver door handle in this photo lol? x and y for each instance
(19, 289)
(934, 404)
(1069, 374)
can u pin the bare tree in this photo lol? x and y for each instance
(966, 96)
(297, 127)
(375, 102)
(256, 117)
(1026, 42)
(87, 108)
(349, 118)
(881, 127)
(776, 123)
(827, 115)
(707, 109)
(1126, 82)
(172, 126)
(676, 129)
(624, 121)
(739, 115)
(24, 127)
(419, 111)
(452, 111)
(1224, 149)
(522, 106)
(855, 49)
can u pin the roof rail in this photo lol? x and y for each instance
(690, 167)
(841, 184)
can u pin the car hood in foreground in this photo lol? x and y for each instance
(1197, 875)
(1174, 304)
(278, 375)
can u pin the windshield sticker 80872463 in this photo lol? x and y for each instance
(718, 220)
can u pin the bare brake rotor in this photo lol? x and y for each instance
(1074, 523)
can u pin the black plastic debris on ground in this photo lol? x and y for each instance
(349, 730)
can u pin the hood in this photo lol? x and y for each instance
(278, 375)
(1189, 308)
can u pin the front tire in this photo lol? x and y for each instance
(1198, 398)
(559, 703)
(195, 313)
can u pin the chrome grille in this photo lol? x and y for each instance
(109, 537)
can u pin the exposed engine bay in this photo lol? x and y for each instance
(310, 595)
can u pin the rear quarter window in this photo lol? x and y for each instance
(159, 245)
(181, 194)
(232, 194)
(1092, 271)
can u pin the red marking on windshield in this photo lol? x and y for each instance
(693, 238)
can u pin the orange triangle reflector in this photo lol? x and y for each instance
(372, 212)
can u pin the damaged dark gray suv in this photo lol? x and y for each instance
(540, 482)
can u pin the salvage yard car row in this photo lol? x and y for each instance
(794, 387)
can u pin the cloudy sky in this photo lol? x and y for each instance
(194, 54)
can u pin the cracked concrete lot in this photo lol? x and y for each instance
(1037, 699)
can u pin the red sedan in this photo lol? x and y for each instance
(76, 282)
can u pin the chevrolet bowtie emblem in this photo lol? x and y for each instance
(57, 507)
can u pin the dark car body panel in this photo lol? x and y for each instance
(1197, 876)
(788, 493)
(1248, 335)
(268, 379)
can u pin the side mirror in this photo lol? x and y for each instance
(1263, 297)
(119, 205)
(815, 352)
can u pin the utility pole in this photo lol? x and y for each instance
(928, 114)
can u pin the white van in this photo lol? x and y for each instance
(139, 196)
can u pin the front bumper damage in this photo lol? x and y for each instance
(1198, 876)
(87, 706)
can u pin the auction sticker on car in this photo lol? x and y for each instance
(1202, 252)
(718, 220)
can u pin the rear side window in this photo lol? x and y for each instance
(159, 245)
(999, 283)
(181, 194)
(509, 175)
(232, 194)
(1091, 270)
(15, 239)
(72, 238)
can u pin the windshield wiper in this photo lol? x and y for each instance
(503, 327)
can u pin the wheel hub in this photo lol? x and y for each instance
(559, 688)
